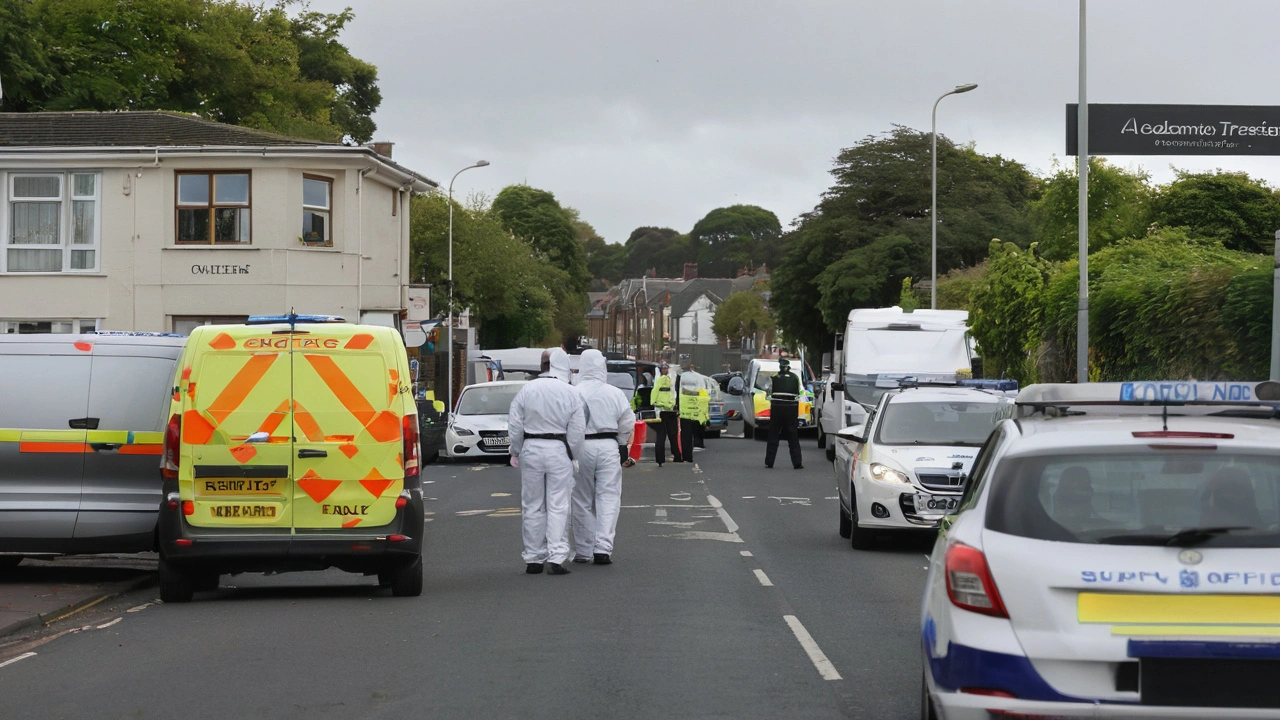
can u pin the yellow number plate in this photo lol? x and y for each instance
(242, 486)
(243, 511)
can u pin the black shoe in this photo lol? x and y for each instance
(769, 466)
(533, 568)
(659, 464)
(603, 559)
(799, 467)
(580, 560)
(557, 569)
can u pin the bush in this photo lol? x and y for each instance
(1007, 310)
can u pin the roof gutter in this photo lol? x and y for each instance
(394, 172)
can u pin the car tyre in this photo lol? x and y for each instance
(175, 585)
(846, 523)
(927, 710)
(406, 581)
(205, 581)
(759, 433)
(831, 452)
(8, 562)
(859, 537)
(822, 440)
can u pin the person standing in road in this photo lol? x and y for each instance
(663, 397)
(597, 494)
(784, 408)
(546, 425)
(695, 411)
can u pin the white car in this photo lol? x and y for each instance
(1117, 555)
(478, 428)
(905, 467)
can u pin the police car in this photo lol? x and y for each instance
(1116, 554)
(904, 468)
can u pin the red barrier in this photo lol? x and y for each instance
(637, 439)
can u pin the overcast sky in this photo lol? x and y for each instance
(654, 112)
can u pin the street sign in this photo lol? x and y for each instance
(1178, 129)
(418, 302)
(414, 335)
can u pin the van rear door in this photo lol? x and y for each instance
(348, 410)
(43, 425)
(238, 425)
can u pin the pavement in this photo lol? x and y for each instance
(39, 592)
(731, 595)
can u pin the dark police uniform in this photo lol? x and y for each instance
(784, 407)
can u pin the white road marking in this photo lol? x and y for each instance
(929, 558)
(465, 513)
(729, 524)
(790, 500)
(11, 661)
(748, 497)
(833, 497)
(695, 507)
(764, 579)
(139, 608)
(499, 494)
(681, 496)
(427, 482)
(819, 659)
(746, 553)
(104, 626)
(701, 535)
(660, 512)
(674, 524)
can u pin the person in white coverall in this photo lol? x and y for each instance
(597, 496)
(546, 425)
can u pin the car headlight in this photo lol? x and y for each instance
(884, 473)
(461, 431)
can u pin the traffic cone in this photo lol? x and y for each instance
(638, 438)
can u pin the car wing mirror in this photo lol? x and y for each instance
(853, 434)
(736, 385)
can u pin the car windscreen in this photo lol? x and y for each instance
(763, 379)
(494, 400)
(937, 423)
(1173, 497)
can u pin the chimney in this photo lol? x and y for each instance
(382, 147)
(690, 271)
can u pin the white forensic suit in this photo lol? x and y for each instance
(597, 496)
(546, 406)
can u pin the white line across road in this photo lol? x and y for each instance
(11, 661)
(819, 659)
(764, 579)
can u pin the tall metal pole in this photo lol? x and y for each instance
(933, 213)
(449, 327)
(1082, 165)
(1275, 314)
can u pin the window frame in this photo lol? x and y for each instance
(327, 241)
(66, 202)
(211, 205)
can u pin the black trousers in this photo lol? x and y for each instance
(782, 421)
(668, 429)
(688, 431)
(699, 435)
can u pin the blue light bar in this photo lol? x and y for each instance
(292, 319)
(990, 384)
(1156, 392)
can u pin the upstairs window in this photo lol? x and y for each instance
(52, 222)
(213, 208)
(317, 204)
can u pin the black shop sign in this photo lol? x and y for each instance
(219, 269)
(1178, 129)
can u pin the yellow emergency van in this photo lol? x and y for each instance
(292, 444)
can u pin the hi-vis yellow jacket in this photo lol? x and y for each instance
(293, 429)
(663, 395)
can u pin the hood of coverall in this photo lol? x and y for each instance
(560, 368)
(592, 366)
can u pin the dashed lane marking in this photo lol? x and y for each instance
(729, 524)
(790, 500)
(746, 553)
(660, 512)
(505, 512)
(729, 537)
(104, 626)
(21, 657)
(468, 513)
(764, 579)
(816, 656)
(499, 494)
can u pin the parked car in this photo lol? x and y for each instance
(756, 397)
(732, 400)
(81, 430)
(478, 427)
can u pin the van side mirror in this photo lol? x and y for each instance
(736, 385)
(853, 434)
(839, 386)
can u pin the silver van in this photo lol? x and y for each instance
(81, 434)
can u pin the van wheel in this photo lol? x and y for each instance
(9, 561)
(822, 438)
(175, 585)
(205, 581)
(760, 433)
(831, 452)
(859, 537)
(846, 523)
(405, 581)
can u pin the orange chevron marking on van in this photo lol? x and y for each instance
(342, 388)
(240, 386)
(195, 429)
(352, 522)
(243, 453)
(222, 341)
(306, 422)
(317, 488)
(359, 342)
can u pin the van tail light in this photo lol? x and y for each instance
(969, 582)
(172, 448)
(412, 451)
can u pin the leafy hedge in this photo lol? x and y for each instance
(1168, 305)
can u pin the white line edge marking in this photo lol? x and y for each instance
(820, 661)
(764, 579)
(11, 661)
(104, 626)
(729, 524)
(746, 553)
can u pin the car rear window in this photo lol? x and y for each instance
(488, 401)
(1158, 497)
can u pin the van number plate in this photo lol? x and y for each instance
(935, 504)
(243, 511)
(247, 486)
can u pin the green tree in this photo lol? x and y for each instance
(1119, 207)
(239, 63)
(1007, 310)
(743, 314)
(1241, 212)
(657, 248)
(731, 238)
(536, 217)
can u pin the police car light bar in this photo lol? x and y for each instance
(292, 319)
(1266, 393)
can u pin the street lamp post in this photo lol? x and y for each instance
(933, 214)
(449, 328)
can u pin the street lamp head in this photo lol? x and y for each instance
(482, 163)
(965, 88)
